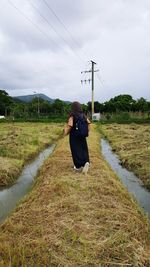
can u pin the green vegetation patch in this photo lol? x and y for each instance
(132, 143)
(20, 142)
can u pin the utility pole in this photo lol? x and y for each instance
(93, 63)
(92, 79)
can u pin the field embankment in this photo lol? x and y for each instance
(132, 143)
(74, 220)
(19, 143)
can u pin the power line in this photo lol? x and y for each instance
(84, 73)
(101, 81)
(54, 29)
(64, 26)
(39, 29)
(47, 36)
(33, 23)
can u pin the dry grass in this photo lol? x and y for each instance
(74, 220)
(19, 143)
(132, 144)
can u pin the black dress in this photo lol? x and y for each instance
(79, 148)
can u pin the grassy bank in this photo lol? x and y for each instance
(74, 220)
(132, 144)
(19, 143)
(126, 117)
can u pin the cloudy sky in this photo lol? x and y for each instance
(45, 44)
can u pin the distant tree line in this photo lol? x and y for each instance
(121, 103)
(39, 107)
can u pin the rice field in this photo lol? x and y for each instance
(70, 219)
(21, 142)
(132, 143)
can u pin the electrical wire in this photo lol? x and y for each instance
(38, 28)
(47, 36)
(64, 26)
(54, 29)
(33, 23)
(100, 80)
(83, 73)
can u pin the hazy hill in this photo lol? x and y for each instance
(29, 98)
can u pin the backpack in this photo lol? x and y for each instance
(81, 126)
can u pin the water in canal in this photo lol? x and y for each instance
(129, 179)
(9, 197)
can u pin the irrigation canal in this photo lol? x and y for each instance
(129, 179)
(10, 196)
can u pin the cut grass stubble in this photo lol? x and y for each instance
(74, 220)
(132, 143)
(20, 143)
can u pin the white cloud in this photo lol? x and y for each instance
(114, 33)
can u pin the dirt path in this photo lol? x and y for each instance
(74, 220)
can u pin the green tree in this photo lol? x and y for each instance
(85, 108)
(141, 104)
(5, 103)
(58, 106)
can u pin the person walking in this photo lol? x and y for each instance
(78, 128)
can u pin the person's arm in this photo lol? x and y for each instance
(68, 127)
(88, 121)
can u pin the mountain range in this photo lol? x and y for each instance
(29, 98)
